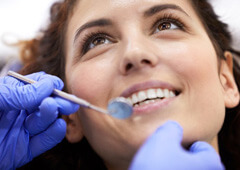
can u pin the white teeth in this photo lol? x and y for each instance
(130, 101)
(146, 102)
(142, 96)
(172, 94)
(134, 98)
(166, 93)
(160, 93)
(151, 94)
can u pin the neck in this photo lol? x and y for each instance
(214, 144)
(119, 164)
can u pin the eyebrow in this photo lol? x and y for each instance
(102, 22)
(158, 8)
(95, 23)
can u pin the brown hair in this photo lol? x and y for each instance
(46, 53)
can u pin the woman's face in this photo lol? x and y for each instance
(155, 53)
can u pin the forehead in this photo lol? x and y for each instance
(92, 9)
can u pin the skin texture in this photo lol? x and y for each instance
(135, 52)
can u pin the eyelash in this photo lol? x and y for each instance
(88, 39)
(173, 19)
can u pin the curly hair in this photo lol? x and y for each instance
(46, 53)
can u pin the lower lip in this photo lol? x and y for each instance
(152, 107)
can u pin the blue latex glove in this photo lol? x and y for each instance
(29, 123)
(163, 150)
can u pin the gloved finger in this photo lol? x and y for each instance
(6, 122)
(166, 138)
(201, 146)
(13, 81)
(36, 76)
(28, 96)
(48, 139)
(9, 80)
(66, 107)
(203, 150)
(39, 121)
(57, 82)
(170, 132)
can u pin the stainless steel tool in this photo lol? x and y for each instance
(119, 107)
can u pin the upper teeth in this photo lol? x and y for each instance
(141, 96)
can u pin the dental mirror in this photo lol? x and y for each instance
(119, 107)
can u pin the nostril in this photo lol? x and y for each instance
(144, 61)
(129, 66)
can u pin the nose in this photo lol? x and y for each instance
(137, 56)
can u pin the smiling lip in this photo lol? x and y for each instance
(147, 85)
(152, 106)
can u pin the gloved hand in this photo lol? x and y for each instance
(29, 123)
(163, 150)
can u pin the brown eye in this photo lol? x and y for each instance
(164, 26)
(95, 39)
(99, 41)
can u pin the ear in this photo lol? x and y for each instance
(230, 89)
(74, 129)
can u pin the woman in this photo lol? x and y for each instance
(171, 59)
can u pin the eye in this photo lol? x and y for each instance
(162, 26)
(93, 40)
(98, 41)
(168, 21)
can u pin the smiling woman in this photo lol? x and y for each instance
(171, 59)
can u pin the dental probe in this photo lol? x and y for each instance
(119, 107)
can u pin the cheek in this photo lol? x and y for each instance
(197, 64)
(195, 60)
(204, 93)
(90, 80)
(203, 107)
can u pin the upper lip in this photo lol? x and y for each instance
(147, 85)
